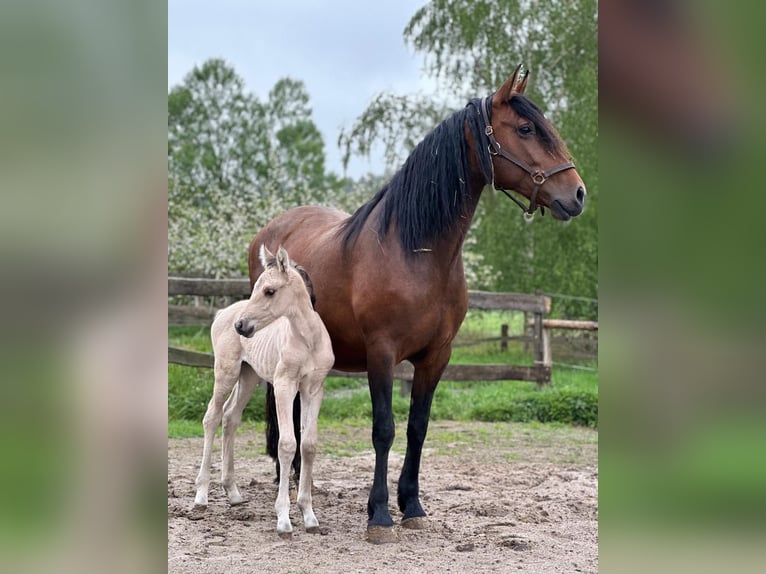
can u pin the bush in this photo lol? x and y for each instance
(572, 406)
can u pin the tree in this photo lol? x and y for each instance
(234, 162)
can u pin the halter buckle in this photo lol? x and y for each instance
(528, 217)
(488, 131)
(538, 177)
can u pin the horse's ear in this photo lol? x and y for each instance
(283, 260)
(266, 257)
(522, 85)
(504, 93)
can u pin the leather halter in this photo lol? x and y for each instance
(539, 177)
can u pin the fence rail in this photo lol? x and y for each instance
(240, 287)
(535, 305)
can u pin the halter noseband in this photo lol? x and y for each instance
(539, 177)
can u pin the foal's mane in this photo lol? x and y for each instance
(429, 192)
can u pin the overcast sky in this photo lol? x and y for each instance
(345, 51)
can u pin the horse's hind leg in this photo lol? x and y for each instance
(226, 376)
(232, 416)
(423, 386)
(311, 400)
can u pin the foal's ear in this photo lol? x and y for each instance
(283, 260)
(266, 257)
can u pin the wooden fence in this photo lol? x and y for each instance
(535, 306)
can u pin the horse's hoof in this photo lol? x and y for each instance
(381, 534)
(285, 535)
(236, 502)
(415, 523)
(313, 529)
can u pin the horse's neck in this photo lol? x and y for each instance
(450, 246)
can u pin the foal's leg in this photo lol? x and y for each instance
(311, 394)
(284, 394)
(226, 374)
(426, 378)
(272, 432)
(232, 416)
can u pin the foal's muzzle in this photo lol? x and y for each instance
(244, 329)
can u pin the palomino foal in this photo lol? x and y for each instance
(276, 336)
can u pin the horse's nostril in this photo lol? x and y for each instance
(239, 325)
(581, 194)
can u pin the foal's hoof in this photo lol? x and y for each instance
(313, 529)
(415, 523)
(381, 534)
(285, 535)
(197, 512)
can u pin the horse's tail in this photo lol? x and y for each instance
(272, 430)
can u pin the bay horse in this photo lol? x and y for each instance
(276, 335)
(389, 279)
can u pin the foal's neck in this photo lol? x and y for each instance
(303, 324)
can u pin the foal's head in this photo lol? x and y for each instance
(279, 291)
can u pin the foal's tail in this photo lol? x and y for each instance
(272, 431)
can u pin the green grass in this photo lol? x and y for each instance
(572, 398)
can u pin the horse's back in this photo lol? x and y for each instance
(307, 232)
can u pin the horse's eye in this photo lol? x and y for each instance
(268, 292)
(526, 129)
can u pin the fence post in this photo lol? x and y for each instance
(526, 332)
(543, 360)
(503, 337)
(537, 336)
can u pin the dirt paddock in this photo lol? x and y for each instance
(501, 497)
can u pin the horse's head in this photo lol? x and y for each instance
(528, 155)
(278, 292)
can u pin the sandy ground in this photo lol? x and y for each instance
(501, 497)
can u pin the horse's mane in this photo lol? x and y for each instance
(429, 192)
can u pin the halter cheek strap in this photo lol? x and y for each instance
(539, 177)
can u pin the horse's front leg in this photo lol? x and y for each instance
(427, 374)
(311, 394)
(284, 394)
(380, 368)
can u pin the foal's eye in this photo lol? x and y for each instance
(526, 129)
(268, 292)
